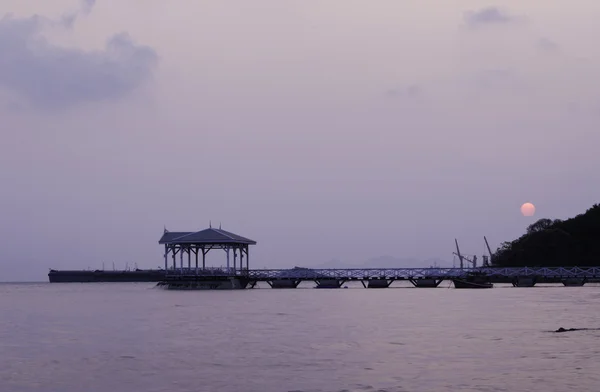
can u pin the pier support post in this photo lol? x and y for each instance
(227, 251)
(234, 260)
(247, 258)
(189, 259)
(241, 259)
(574, 282)
(426, 282)
(379, 283)
(166, 258)
(205, 283)
(329, 283)
(283, 283)
(181, 260)
(524, 281)
(174, 250)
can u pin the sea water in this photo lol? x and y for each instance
(104, 337)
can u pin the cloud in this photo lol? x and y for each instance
(496, 80)
(87, 5)
(68, 20)
(51, 76)
(547, 45)
(410, 91)
(488, 16)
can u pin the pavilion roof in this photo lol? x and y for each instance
(204, 237)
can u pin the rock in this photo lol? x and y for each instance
(561, 329)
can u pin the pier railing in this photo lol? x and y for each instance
(392, 273)
(211, 271)
(423, 273)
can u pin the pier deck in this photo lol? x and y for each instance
(371, 277)
(496, 275)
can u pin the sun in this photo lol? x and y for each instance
(528, 209)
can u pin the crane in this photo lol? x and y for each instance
(489, 250)
(462, 257)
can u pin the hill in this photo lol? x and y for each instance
(547, 243)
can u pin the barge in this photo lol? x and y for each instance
(87, 276)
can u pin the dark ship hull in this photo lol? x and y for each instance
(80, 276)
(474, 280)
(472, 284)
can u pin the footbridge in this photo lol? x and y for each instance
(384, 277)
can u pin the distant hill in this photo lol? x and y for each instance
(385, 262)
(547, 242)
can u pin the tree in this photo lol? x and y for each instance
(547, 242)
(540, 225)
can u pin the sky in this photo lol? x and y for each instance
(325, 130)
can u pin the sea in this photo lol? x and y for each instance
(113, 337)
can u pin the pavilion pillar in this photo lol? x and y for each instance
(203, 259)
(196, 254)
(247, 258)
(174, 262)
(241, 259)
(234, 259)
(166, 258)
(181, 260)
(189, 252)
(227, 251)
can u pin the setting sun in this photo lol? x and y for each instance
(528, 209)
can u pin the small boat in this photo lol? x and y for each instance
(465, 284)
(473, 280)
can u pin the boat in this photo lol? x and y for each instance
(85, 276)
(472, 280)
(465, 284)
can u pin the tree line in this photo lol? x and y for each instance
(548, 242)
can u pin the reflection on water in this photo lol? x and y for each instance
(134, 337)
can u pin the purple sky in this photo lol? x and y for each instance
(323, 130)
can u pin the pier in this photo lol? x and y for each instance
(385, 277)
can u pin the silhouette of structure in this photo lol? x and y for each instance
(201, 242)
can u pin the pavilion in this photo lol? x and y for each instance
(201, 242)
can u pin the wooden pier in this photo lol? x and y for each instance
(386, 277)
